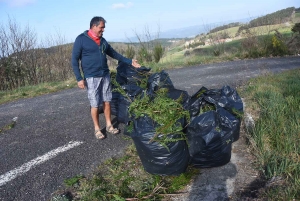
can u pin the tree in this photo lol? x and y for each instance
(296, 28)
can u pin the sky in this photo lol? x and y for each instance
(125, 18)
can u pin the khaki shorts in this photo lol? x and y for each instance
(99, 90)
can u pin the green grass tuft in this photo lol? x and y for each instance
(72, 181)
(276, 136)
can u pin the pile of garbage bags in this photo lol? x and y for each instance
(210, 129)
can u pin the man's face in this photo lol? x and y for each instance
(98, 30)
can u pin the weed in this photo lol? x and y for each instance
(72, 181)
(8, 126)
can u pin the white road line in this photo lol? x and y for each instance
(41, 159)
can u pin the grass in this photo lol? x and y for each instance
(275, 139)
(123, 179)
(37, 90)
(73, 181)
(231, 31)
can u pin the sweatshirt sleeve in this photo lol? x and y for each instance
(76, 56)
(112, 53)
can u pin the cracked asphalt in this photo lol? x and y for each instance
(54, 120)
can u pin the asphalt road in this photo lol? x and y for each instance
(53, 137)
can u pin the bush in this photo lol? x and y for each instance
(278, 47)
(144, 55)
(158, 52)
(129, 52)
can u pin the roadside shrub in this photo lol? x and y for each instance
(278, 47)
(129, 52)
(296, 28)
(251, 46)
(217, 52)
(158, 52)
(187, 53)
(144, 55)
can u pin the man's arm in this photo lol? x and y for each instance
(76, 56)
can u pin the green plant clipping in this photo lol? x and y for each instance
(165, 111)
(7, 127)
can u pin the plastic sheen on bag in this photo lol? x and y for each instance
(210, 140)
(129, 75)
(226, 98)
(157, 81)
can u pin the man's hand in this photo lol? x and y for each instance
(135, 63)
(81, 84)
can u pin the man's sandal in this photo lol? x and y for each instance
(111, 130)
(99, 135)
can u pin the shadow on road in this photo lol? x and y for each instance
(214, 184)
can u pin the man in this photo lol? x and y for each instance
(90, 48)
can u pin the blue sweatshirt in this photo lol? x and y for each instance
(93, 57)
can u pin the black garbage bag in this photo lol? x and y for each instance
(156, 158)
(196, 101)
(126, 130)
(226, 98)
(232, 122)
(210, 140)
(213, 96)
(176, 94)
(129, 75)
(132, 91)
(157, 81)
(123, 114)
(114, 104)
(231, 100)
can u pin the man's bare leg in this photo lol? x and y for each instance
(109, 127)
(95, 117)
(106, 109)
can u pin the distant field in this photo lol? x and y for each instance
(263, 30)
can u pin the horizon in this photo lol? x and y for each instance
(125, 19)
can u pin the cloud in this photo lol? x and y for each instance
(18, 3)
(121, 5)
